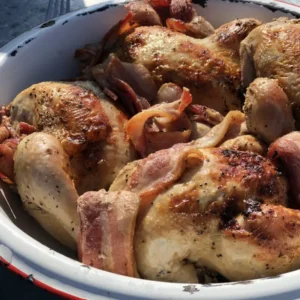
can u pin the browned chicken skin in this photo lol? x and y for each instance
(273, 50)
(90, 130)
(208, 67)
(190, 205)
(267, 110)
(80, 146)
(199, 208)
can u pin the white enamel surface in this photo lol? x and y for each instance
(24, 244)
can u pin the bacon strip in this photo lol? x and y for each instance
(107, 225)
(131, 83)
(7, 151)
(219, 132)
(167, 113)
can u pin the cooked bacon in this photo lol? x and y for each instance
(168, 92)
(157, 172)
(107, 225)
(7, 151)
(285, 153)
(143, 13)
(131, 83)
(219, 133)
(88, 57)
(205, 115)
(167, 115)
(25, 128)
(198, 27)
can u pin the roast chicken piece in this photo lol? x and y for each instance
(273, 50)
(81, 146)
(88, 125)
(209, 67)
(267, 110)
(196, 205)
(44, 180)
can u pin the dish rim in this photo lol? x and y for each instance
(67, 277)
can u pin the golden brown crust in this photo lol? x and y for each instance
(273, 50)
(208, 67)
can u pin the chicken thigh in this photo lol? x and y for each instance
(88, 125)
(80, 146)
(208, 208)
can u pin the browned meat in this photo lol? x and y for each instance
(81, 146)
(194, 201)
(198, 27)
(107, 225)
(273, 50)
(132, 83)
(182, 10)
(143, 13)
(285, 153)
(267, 110)
(245, 143)
(208, 67)
(89, 127)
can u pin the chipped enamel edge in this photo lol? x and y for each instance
(65, 274)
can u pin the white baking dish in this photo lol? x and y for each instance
(46, 53)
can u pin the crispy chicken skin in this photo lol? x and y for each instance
(194, 213)
(273, 50)
(43, 178)
(88, 125)
(208, 67)
(81, 146)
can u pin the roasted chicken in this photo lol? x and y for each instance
(208, 67)
(267, 110)
(187, 183)
(197, 204)
(80, 146)
(272, 50)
